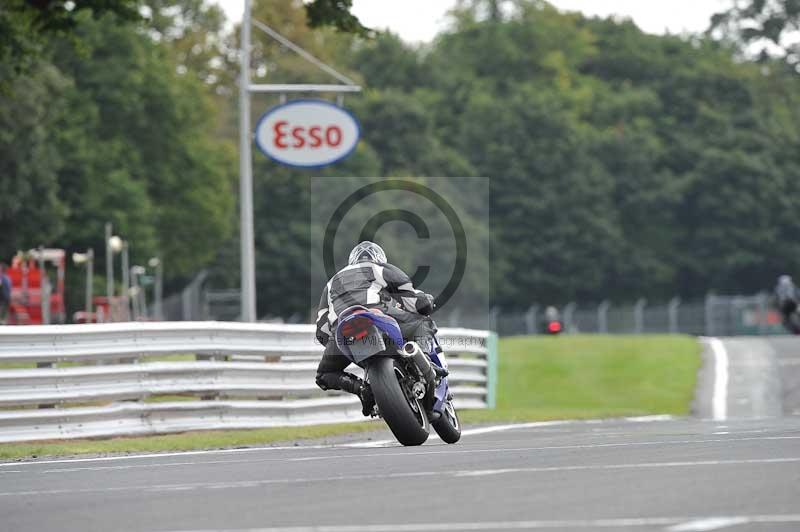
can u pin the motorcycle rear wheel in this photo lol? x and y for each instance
(401, 410)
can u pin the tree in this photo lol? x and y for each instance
(25, 26)
(763, 28)
(335, 13)
(147, 130)
(31, 209)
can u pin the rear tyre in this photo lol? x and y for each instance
(402, 411)
(448, 427)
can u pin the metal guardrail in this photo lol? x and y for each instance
(98, 380)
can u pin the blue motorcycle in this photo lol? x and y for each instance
(411, 394)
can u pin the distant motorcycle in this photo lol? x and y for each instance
(411, 395)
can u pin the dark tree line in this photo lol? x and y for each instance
(622, 164)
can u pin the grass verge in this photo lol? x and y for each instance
(215, 439)
(592, 376)
(540, 378)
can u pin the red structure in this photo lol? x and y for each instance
(28, 274)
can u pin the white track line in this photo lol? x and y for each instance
(465, 432)
(405, 452)
(634, 522)
(521, 426)
(457, 474)
(401, 453)
(380, 443)
(719, 401)
(708, 523)
(160, 455)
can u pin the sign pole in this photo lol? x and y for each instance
(248, 269)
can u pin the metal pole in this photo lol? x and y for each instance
(709, 315)
(126, 282)
(493, 313)
(763, 300)
(89, 282)
(159, 309)
(569, 312)
(248, 281)
(455, 317)
(602, 317)
(109, 266)
(143, 302)
(530, 319)
(135, 293)
(674, 304)
(44, 289)
(638, 316)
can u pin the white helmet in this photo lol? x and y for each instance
(367, 252)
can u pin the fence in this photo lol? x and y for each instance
(72, 381)
(714, 316)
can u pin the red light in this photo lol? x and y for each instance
(356, 328)
(554, 327)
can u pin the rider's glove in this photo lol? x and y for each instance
(425, 304)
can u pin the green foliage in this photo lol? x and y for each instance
(334, 13)
(622, 164)
(31, 211)
(114, 132)
(25, 26)
(763, 28)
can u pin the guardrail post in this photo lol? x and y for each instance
(46, 365)
(638, 316)
(530, 319)
(569, 311)
(672, 311)
(602, 317)
(491, 370)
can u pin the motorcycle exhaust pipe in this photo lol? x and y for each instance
(421, 360)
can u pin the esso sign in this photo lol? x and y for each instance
(307, 133)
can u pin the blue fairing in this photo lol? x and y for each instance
(441, 391)
(389, 326)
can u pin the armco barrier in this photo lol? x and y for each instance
(75, 381)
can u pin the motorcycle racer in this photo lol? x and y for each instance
(369, 281)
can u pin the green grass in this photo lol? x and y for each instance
(179, 442)
(591, 376)
(540, 378)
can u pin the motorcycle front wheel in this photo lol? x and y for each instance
(399, 407)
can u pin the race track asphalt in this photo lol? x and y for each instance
(612, 475)
(678, 475)
(787, 351)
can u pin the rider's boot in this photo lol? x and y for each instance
(367, 400)
(440, 371)
(351, 383)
